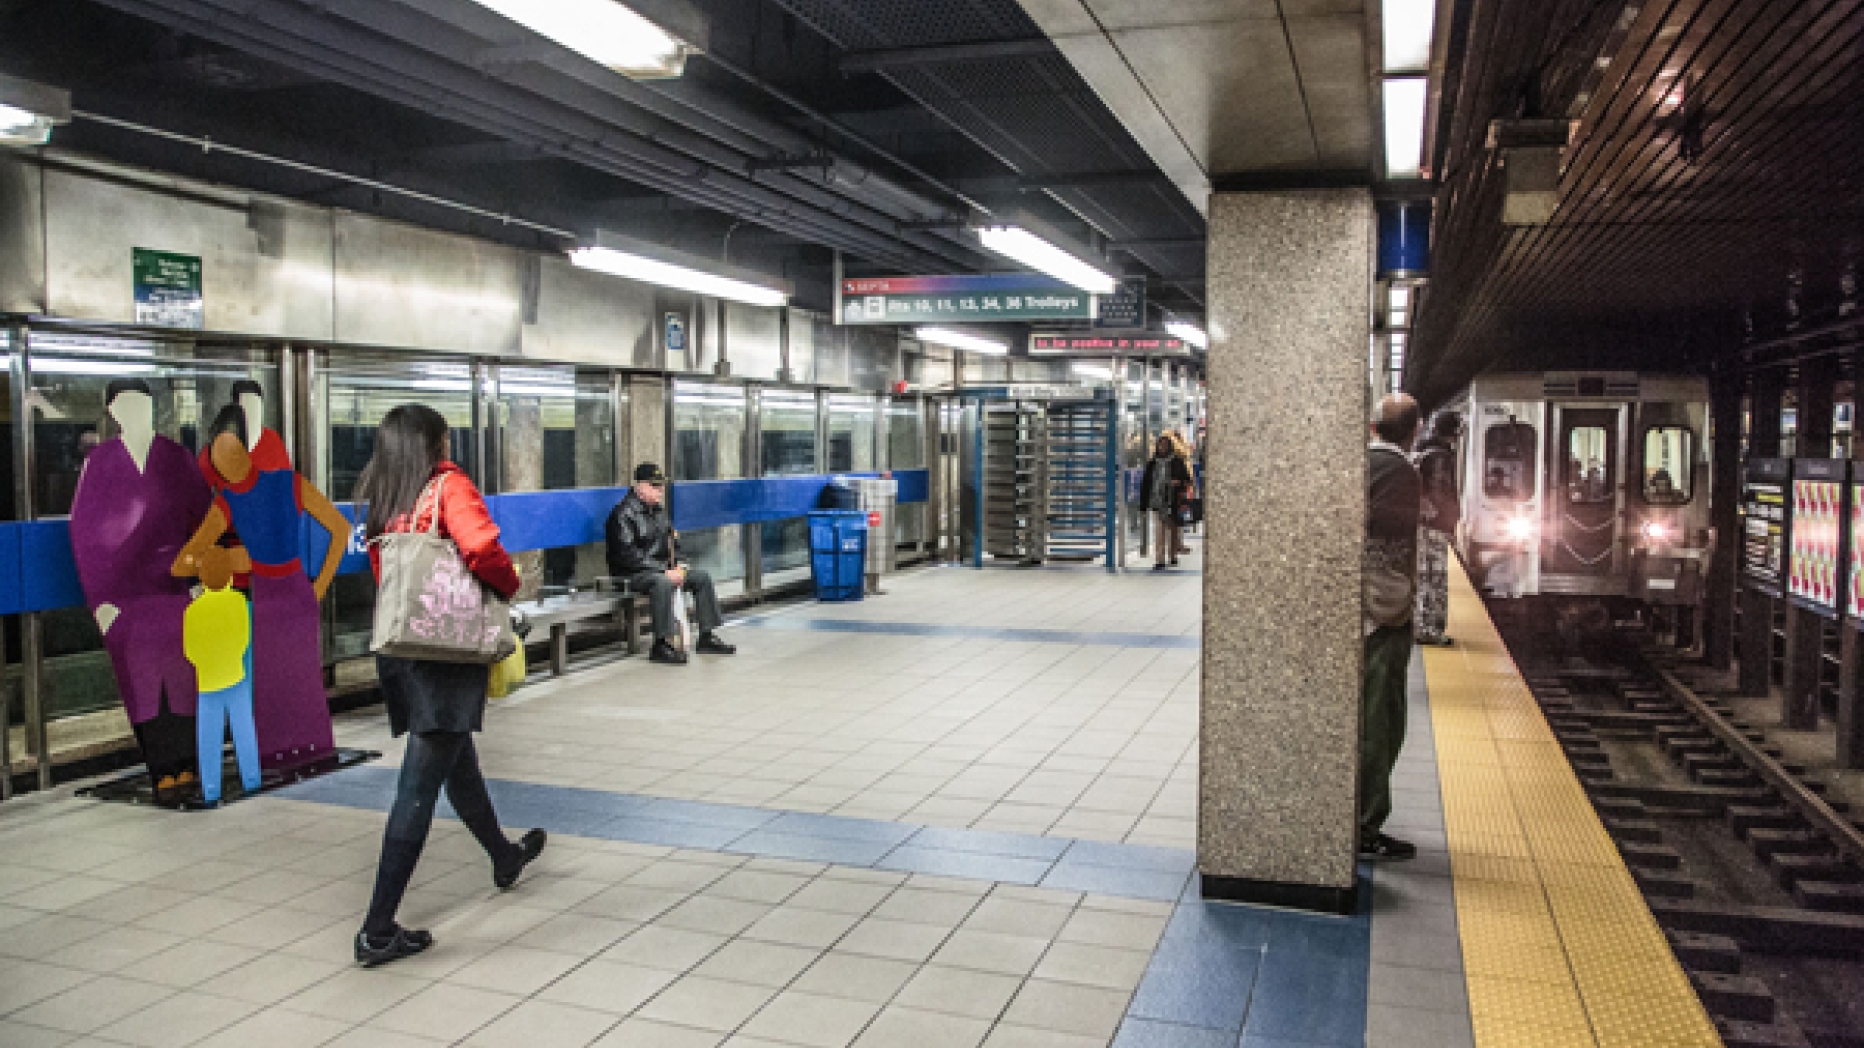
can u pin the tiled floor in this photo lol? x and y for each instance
(872, 827)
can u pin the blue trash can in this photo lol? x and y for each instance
(838, 553)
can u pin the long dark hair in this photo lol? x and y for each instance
(409, 443)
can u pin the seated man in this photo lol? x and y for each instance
(642, 549)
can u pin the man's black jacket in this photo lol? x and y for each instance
(640, 537)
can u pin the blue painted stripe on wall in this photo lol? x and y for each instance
(37, 572)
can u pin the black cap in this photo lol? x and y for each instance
(648, 473)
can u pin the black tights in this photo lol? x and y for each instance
(434, 759)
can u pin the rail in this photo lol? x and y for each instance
(1842, 833)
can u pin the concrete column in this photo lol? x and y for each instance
(649, 400)
(1290, 281)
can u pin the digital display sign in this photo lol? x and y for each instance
(1763, 523)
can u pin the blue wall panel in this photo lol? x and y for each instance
(38, 574)
(50, 576)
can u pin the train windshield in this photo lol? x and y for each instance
(1667, 473)
(1589, 464)
(1508, 461)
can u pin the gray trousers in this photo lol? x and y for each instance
(660, 590)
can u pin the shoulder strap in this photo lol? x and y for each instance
(439, 485)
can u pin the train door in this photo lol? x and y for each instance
(1586, 494)
(947, 479)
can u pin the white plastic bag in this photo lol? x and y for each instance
(681, 620)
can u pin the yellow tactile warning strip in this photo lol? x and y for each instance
(1558, 946)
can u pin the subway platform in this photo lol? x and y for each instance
(960, 814)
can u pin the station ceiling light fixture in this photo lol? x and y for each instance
(959, 340)
(643, 40)
(29, 111)
(1100, 372)
(1408, 29)
(652, 264)
(1191, 333)
(1021, 245)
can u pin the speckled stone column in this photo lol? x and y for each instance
(1289, 286)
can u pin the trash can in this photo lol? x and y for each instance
(878, 496)
(840, 493)
(838, 553)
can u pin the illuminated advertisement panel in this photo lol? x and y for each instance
(1763, 524)
(1854, 593)
(1816, 535)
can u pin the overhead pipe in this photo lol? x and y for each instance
(445, 91)
(678, 101)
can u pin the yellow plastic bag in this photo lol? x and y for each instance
(507, 674)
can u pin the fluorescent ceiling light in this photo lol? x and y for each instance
(1408, 27)
(1189, 332)
(29, 111)
(1400, 297)
(666, 274)
(110, 368)
(1404, 126)
(602, 30)
(1094, 371)
(1038, 254)
(960, 340)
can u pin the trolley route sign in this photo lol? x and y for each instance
(1108, 342)
(961, 299)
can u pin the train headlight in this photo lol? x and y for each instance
(1520, 529)
(1656, 532)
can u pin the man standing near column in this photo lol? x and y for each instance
(1394, 495)
(1436, 466)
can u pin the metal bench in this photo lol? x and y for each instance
(611, 599)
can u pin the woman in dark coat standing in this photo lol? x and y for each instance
(438, 704)
(1162, 492)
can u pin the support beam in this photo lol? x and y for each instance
(1724, 501)
(1805, 630)
(1764, 393)
(1279, 727)
(939, 54)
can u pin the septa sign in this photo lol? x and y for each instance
(873, 518)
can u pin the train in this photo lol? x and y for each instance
(1587, 487)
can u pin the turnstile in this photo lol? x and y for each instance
(1078, 487)
(1015, 480)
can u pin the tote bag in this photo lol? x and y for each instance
(430, 606)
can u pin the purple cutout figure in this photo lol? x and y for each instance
(138, 500)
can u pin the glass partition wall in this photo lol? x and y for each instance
(552, 429)
(788, 426)
(906, 449)
(709, 421)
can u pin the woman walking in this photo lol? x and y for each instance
(1162, 491)
(407, 485)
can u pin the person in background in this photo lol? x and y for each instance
(1436, 468)
(1183, 451)
(644, 550)
(438, 705)
(1162, 490)
(1388, 567)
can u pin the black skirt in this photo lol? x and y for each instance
(425, 696)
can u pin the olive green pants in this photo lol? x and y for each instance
(1382, 701)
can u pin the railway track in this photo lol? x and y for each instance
(1755, 873)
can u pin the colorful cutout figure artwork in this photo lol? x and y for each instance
(217, 638)
(138, 498)
(265, 503)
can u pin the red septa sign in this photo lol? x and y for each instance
(873, 518)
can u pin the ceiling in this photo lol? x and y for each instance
(1712, 191)
(1224, 88)
(865, 126)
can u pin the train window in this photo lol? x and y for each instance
(1508, 461)
(1588, 464)
(1667, 460)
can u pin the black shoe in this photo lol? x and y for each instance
(664, 651)
(1174, 562)
(1158, 567)
(373, 953)
(710, 644)
(1385, 846)
(529, 847)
